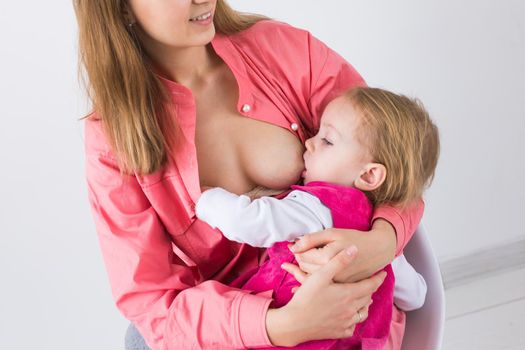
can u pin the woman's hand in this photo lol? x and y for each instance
(376, 250)
(321, 308)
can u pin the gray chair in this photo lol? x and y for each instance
(133, 340)
(424, 327)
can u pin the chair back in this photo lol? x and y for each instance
(424, 327)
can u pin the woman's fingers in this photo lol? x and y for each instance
(360, 316)
(299, 275)
(362, 302)
(319, 256)
(338, 263)
(308, 268)
(360, 309)
(366, 287)
(349, 332)
(312, 240)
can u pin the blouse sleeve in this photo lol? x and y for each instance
(151, 287)
(331, 75)
(405, 221)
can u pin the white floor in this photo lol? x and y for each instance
(487, 314)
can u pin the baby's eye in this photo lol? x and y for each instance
(325, 141)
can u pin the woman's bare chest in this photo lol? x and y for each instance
(238, 152)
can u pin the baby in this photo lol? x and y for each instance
(373, 147)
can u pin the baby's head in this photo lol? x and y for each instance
(379, 142)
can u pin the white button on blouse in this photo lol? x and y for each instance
(294, 126)
(246, 108)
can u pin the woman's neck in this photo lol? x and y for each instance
(188, 66)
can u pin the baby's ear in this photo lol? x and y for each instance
(371, 177)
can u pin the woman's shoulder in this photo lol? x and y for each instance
(271, 36)
(282, 49)
(274, 27)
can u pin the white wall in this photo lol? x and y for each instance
(464, 59)
(54, 292)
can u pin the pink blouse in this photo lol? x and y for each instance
(169, 272)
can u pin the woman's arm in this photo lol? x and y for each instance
(404, 222)
(377, 248)
(160, 297)
(158, 292)
(151, 286)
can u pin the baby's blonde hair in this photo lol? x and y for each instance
(400, 135)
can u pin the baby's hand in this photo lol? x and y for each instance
(260, 191)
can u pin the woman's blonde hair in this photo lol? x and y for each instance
(127, 96)
(400, 135)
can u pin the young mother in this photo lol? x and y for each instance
(187, 94)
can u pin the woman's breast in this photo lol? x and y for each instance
(239, 153)
(270, 155)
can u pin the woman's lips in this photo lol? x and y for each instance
(203, 19)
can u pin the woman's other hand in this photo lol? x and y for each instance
(376, 250)
(321, 308)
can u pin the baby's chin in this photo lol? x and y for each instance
(307, 180)
(304, 177)
(307, 177)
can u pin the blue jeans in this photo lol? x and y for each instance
(133, 339)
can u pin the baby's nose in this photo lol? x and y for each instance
(309, 144)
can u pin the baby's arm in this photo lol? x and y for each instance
(263, 221)
(410, 288)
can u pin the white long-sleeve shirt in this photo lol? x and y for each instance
(267, 220)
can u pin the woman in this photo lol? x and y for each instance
(189, 94)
